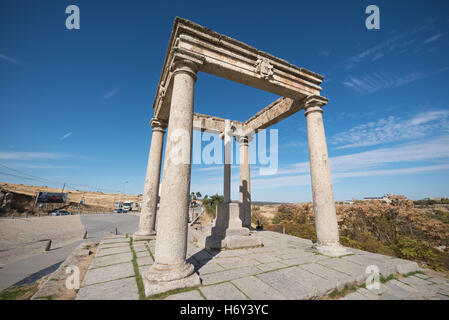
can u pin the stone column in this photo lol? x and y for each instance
(170, 269)
(323, 196)
(245, 183)
(227, 162)
(149, 203)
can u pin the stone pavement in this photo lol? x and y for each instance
(419, 286)
(285, 268)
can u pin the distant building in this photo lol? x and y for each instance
(383, 198)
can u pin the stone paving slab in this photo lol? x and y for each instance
(385, 267)
(314, 286)
(113, 245)
(352, 269)
(123, 289)
(256, 289)
(354, 296)
(112, 259)
(189, 295)
(271, 266)
(144, 261)
(223, 291)
(109, 251)
(114, 240)
(228, 275)
(292, 290)
(339, 279)
(114, 272)
(142, 254)
(209, 268)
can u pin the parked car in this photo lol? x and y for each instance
(118, 210)
(60, 213)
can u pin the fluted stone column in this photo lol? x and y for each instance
(151, 191)
(227, 162)
(245, 183)
(170, 269)
(323, 196)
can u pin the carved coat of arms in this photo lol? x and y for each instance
(264, 68)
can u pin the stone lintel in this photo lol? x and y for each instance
(212, 124)
(281, 109)
(233, 60)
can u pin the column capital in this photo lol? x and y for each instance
(314, 103)
(187, 63)
(244, 139)
(158, 124)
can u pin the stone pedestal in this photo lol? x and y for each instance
(245, 182)
(323, 196)
(228, 232)
(149, 203)
(170, 269)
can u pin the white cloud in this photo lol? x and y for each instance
(392, 129)
(370, 83)
(369, 163)
(433, 38)
(304, 179)
(66, 136)
(8, 155)
(111, 93)
(10, 59)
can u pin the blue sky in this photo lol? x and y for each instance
(75, 105)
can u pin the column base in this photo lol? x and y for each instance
(232, 242)
(331, 249)
(144, 236)
(160, 278)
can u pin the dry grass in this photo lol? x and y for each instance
(95, 200)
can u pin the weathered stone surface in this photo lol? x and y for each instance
(143, 254)
(123, 289)
(112, 259)
(303, 259)
(385, 267)
(113, 245)
(314, 285)
(228, 275)
(114, 272)
(271, 266)
(238, 242)
(354, 296)
(404, 266)
(148, 212)
(144, 261)
(369, 294)
(109, 251)
(155, 287)
(263, 258)
(338, 279)
(223, 291)
(354, 270)
(210, 268)
(256, 289)
(189, 295)
(292, 290)
(397, 290)
(215, 56)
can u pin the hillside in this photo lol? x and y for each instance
(19, 199)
